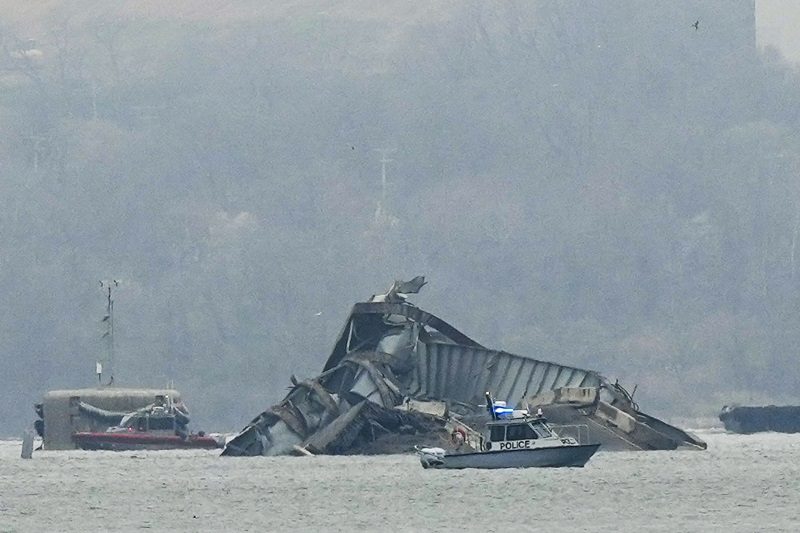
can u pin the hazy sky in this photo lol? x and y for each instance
(778, 25)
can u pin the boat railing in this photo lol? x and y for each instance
(579, 432)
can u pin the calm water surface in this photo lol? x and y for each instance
(741, 483)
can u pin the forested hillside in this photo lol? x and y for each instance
(597, 184)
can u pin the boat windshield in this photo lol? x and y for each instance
(162, 422)
(126, 420)
(529, 430)
(542, 430)
(520, 432)
(497, 433)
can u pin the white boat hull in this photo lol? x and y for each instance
(556, 456)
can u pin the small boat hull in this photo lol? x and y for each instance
(140, 441)
(551, 457)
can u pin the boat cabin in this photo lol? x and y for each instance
(523, 433)
(149, 421)
(518, 433)
(519, 430)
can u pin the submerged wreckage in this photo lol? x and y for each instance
(397, 371)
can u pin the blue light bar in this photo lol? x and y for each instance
(503, 412)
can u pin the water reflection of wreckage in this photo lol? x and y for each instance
(399, 375)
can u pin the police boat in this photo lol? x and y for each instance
(515, 440)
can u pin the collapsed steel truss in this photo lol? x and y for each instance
(392, 355)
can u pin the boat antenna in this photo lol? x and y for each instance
(490, 406)
(108, 318)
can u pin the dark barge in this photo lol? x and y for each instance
(754, 419)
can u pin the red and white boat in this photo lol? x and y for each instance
(138, 440)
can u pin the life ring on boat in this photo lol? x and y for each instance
(458, 437)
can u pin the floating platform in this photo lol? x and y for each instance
(63, 413)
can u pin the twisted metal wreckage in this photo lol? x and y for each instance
(399, 375)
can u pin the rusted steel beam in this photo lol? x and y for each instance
(388, 398)
(416, 314)
(322, 395)
(292, 416)
(403, 309)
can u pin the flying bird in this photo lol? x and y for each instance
(696, 25)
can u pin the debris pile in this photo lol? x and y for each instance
(399, 375)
